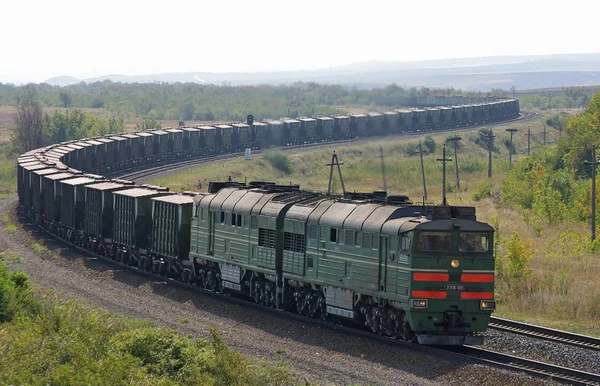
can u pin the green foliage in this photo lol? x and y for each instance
(279, 161)
(581, 132)
(430, 144)
(16, 297)
(483, 189)
(510, 146)
(68, 343)
(485, 140)
(514, 267)
(148, 123)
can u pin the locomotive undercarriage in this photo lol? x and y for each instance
(383, 319)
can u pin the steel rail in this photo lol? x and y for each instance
(540, 332)
(537, 368)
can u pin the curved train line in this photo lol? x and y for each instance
(54, 195)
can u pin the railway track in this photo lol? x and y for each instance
(545, 333)
(537, 368)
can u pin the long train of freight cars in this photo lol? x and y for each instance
(410, 271)
(110, 154)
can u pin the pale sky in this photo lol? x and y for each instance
(41, 39)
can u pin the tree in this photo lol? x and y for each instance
(65, 98)
(429, 144)
(148, 123)
(27, 133)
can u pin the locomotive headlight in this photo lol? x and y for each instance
(455, 263)
(419, 303)
(487, 304)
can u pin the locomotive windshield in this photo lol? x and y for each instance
(433, 241)
(473, 242)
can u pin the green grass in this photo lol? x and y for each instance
(47, 339)
(7, 222)
(8, 177)
(39, 248)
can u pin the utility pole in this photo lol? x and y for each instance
(490, 138)
(335, 162)
(545, 131)
(594, 164)
(444, 160)
(422, 171)
(454, 141)
(510, 151)
(529, 141)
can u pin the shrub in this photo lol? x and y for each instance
(483, 189)
(429, 144)
(279, 161)
(16, 297)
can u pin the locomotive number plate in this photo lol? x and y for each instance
(455, 287)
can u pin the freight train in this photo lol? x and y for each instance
(411, 271)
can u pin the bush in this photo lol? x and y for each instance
(16, 297)
(483, 190)
(429, 144)
(279, 161)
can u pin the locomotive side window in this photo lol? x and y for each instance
(349, 238)
(433, 241)
(472, 242)
(405, 243)
(366, 240)
(333, 235)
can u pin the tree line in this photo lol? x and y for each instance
(34, 128)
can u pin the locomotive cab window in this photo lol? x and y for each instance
(433, 241)
(473, 242)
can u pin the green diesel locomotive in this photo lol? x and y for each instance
(415, 272)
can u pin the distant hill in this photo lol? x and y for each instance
(483, 74)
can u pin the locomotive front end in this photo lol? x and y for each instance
(452, 282)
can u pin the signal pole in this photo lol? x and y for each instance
(490, 138)
(444, 160)
(422, 171)
(594, 164)
(529, 141)
(511, 131)
(455, 140)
